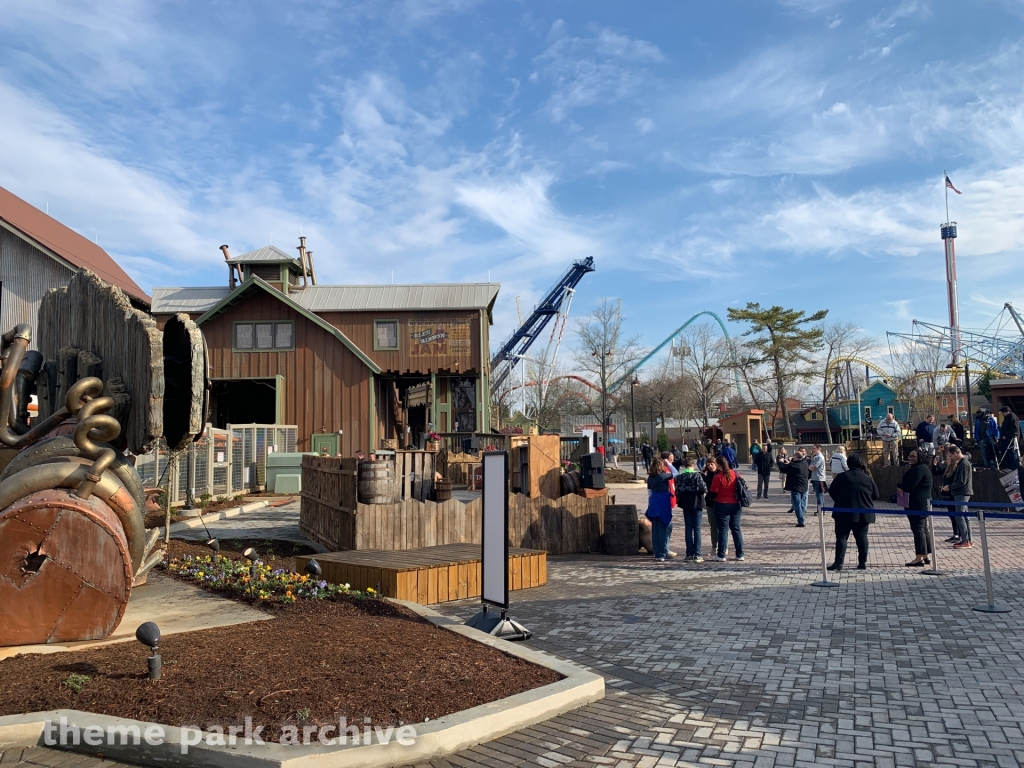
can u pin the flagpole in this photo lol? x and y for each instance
(946, 188)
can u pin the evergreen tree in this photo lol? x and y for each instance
(786, 339)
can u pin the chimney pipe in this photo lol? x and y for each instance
(231, 267)
(302, 260)
(312, 270)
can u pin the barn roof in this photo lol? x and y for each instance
(344, 298)
(269, 254)
(63, 243)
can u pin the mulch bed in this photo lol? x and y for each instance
(317, 661)
(274, 552)
(612, 475)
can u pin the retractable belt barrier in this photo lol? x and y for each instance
(979, 512)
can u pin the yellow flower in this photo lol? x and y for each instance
(200, 574)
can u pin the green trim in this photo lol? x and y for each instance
(372, 421)
(398, 342)
(279, 406)
(254, 282)
(239, 350)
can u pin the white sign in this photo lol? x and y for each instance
(495, 528)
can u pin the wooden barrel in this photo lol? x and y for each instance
(377, 484)
(571, 482)
(442, 490)
(65, 569)
(621, 529)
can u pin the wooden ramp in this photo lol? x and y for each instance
(427, 575)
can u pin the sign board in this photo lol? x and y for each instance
(450, 337)
(494, 587)
(584, 428)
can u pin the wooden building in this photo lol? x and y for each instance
(351, 366)
(38, 253)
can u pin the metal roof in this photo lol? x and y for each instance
(356, 298)
(67, 244)
(190, 300)
(344, 298)
(269, 253)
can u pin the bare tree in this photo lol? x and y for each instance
(604, 355)
(705, 359)
(839, 339)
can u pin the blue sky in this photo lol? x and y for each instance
(706, 154)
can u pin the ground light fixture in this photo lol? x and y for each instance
(149, 635)
(251, 555)
(214, 545)
(313, 568)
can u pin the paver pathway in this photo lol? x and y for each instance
(747, 665)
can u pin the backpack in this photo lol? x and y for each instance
(743, 492)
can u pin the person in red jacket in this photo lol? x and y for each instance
(726, 489)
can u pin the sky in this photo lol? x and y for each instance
(705, 154)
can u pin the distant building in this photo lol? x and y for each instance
(38, 253)
(870, 408)
(351, 366)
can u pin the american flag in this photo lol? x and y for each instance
(949, 184)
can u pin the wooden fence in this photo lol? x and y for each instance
(985, 481)
(331, 515)
(415, 473)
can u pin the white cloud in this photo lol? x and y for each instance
(601, 69)
(645, 125)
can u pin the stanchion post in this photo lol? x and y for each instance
(991, 606)
(824, 567)
(934, 570)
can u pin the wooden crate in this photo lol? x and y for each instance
(427, 575)
(592, 493)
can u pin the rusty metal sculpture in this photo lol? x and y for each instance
(72, 538)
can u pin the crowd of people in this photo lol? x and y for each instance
(705, 480)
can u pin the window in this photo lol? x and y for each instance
(385, 334)
(264, 336)
(464, 404)
(890, 410)
(814, 416)
(945, 402)
(867, 411)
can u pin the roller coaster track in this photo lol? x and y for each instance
(833, 372)
(676, 332)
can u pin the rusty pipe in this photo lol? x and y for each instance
(20, 331)
(227, 253)
(94, 427)
(71, 474)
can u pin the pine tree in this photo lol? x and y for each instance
(784, 338)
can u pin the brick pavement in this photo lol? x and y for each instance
(746, 665)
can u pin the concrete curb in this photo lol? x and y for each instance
(197, 522)
(440, 737)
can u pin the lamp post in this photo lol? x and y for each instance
(632, 409)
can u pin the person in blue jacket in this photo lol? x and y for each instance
(729, 454)
(986, 432)
(660, 501)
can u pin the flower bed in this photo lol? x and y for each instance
(236, 577)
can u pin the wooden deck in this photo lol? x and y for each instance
(427, 575)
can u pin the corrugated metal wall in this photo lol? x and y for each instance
(26, 274)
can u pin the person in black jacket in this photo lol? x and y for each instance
(1009, 450)
(765, 463)
(853, 490)
(798, 474)
(917, 482)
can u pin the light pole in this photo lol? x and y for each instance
(632, 409)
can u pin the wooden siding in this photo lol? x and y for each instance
(358, 327)
(326, 387)
(27, 273)
(331, 515)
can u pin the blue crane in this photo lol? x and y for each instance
(512, 351)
